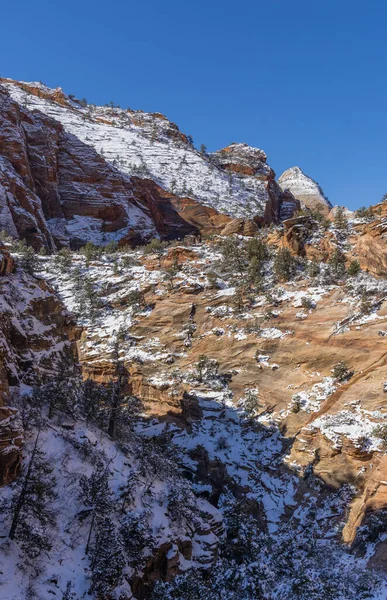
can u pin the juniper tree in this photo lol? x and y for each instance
(63, 260)
(284, 264)
(341, 372)
(28, 259)
(365, 304)
(354, 268)
(171, 272)
(233, 255)
(254, 272)
(364, 213)
(88, 301)
(256, 248)
(313, 268)
(136, 300)
(90, 252)
(238, 300)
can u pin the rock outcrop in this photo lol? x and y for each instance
(11, 444)
(235, 181)
(37, 336)
(305, 189)
(245, 160)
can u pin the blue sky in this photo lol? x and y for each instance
(303, 80)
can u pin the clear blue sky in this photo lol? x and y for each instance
(306, 80)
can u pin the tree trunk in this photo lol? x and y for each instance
(23, 492)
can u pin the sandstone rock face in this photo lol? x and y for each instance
(58, 191)
(11, 443)
(244, 159)
(36, 335)
(296, 349)
(305, 189)
(235, 181)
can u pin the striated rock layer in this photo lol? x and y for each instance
(305, 189)
(68, 173)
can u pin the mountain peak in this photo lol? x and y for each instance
(304, 188)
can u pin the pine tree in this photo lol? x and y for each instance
(337, 261)
(32, 513)
(340, 221)
(137, 536)
(96, 496)
(238, 301)
(107, 559)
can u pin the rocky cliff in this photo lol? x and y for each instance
(224, 434)
(67, 169)
(305, 189)
(37, 337)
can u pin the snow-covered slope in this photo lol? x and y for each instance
(149, 145)
(304, 188)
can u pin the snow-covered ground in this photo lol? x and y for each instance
(150, 146)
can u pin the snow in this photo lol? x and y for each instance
(355, 425)
(146, 145)
(302, 186)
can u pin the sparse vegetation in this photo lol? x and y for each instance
(341, 372)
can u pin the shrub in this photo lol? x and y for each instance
(307, 303)
(212, 280)
(313, 268)
(381, 432)
(365, 304)
(354, 268)
(341, 372)
(364, 213)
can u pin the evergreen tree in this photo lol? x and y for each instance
(238, 300)
(233, 255)
(284, 264)
(28, 259)
(337, 262)
(313, 268)
(354, 268)
(340, 221)
(96, 496)
(107, 559)
(171, 273)
(32, 514)
(137, 536)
